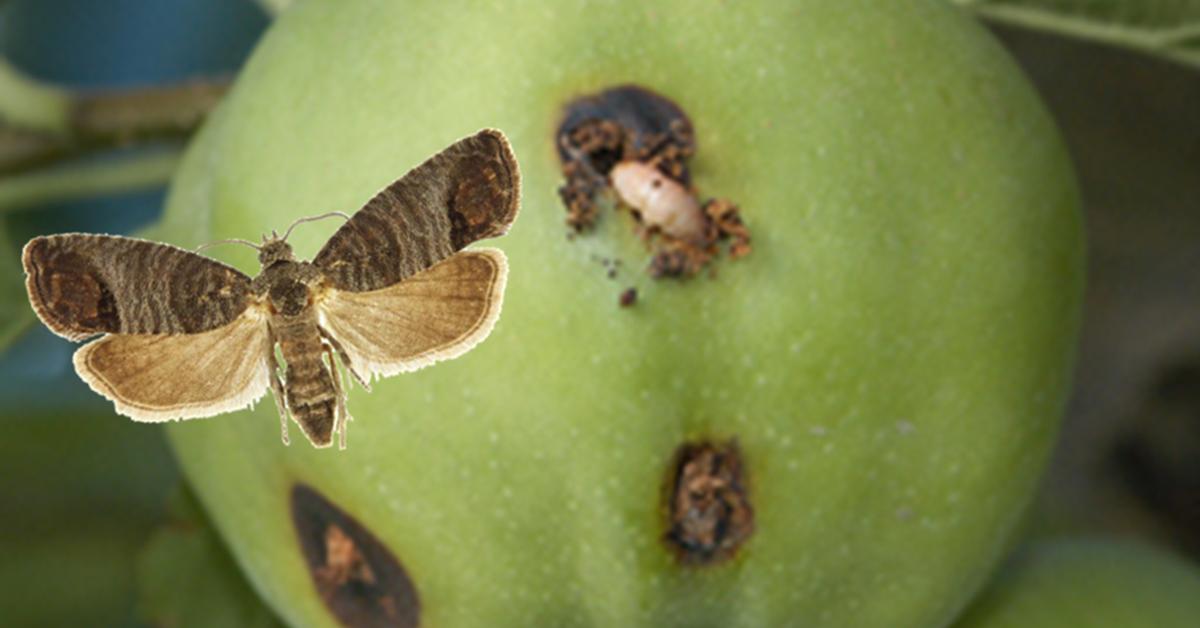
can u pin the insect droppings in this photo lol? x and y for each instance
(628, 297)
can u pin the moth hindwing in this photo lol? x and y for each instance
(184, 336)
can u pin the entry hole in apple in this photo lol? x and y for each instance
(629, 147)
(709, 516)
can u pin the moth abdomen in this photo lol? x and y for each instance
(317, 420)
(309, 386)
(308, 382)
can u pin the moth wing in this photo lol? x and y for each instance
(163, 377)
(467, 192)
(81, 285)
(435, 315)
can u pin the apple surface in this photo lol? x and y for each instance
(1089, 582)
(876, 384)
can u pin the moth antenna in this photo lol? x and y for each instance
(230, 241)
(312, 219)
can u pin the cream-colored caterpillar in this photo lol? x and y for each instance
(661, 200)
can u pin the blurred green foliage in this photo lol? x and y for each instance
(82, 490)
(187, 579)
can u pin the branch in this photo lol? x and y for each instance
(44, 124)
(1165, 28)
(29, 104)
(75, 181)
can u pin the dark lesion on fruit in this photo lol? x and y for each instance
(360, 581)
(1157, 458)
(628, 124)
(709, 516)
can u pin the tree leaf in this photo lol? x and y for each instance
(1166, 28)
(187, 578)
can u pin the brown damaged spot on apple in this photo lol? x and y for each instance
(709, 516)
(630, 146)
(358, 578)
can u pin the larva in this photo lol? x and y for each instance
(661, 200)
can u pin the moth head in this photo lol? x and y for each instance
(274, 250)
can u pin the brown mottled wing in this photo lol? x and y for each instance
(161, 377)
(81, 285)
(437, 314)
(465, 193)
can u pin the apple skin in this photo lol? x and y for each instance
(1089, 582)
(892, 358)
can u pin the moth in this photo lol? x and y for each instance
(184, 336)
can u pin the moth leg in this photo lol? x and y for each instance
(342, 416)
(345, 358)
(277, 391)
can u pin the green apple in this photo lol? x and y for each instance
(891, 359)
(1089, 582)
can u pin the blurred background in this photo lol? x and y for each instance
(81, 490)
(84, 494)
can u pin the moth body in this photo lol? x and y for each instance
(308, 383)
(311, 392)
(184, 336)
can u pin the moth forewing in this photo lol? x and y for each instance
(82, 285)
(437, 314)
(163, 377)
(468, 192)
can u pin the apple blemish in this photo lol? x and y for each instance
(630, 146)
(357, 577)
(708, 507)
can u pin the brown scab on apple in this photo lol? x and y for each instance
(709, 516)
(357, 577)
